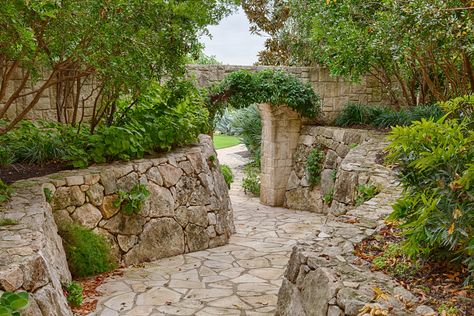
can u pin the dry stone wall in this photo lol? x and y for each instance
(335, 91)
(350, 159)
(188, 210)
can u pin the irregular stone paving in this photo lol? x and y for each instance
(241, 278)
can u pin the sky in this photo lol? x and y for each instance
(232, 42)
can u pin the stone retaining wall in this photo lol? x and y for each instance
(324, 277)
(349, 160)
(188, 210)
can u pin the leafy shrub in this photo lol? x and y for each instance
(359, 114)
(74, 294)
(365, 192)
(12, 303)
(131, 202)
(247, 124)
(435, 160)
(251, 180)
(314, 165)
(228, 175)
(160, 119)
(87, 253)
(243, 88)
(5, 191)
(328, 197)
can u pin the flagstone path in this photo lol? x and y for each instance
(241, 278)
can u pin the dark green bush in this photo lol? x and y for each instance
(12, 303)
(251, 180)
(132, 202)
(243, 88)
(247, 124)
(87, 253)
(436, 165)
(314, 165)
(228, 175)
(74, 294)
(370, 115)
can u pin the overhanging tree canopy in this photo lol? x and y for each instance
(120, 44)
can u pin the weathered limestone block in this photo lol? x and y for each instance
(108, 208)
(127, 182)
(95, 194)
(345, 187)
(198, 215)
(160, 203)
(196, 238)
(68, 196)
(170, 174)
(327, 181)
(154, 175)
(305, 199)
(161, 238)
(87, 215)
(315, 302)
(108, 180)
(125, 225)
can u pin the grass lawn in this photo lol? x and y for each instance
(224, 141)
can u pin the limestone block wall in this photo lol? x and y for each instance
(46, 106)
(334, 91)
(32, 257)
(350, 159)
(188, 210)
(280, 130)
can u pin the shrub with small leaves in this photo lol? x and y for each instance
(74, 294)
(87, 253)
(251, 180)
(132, 202)
(228, 175)
(12, 303)
(314, 165)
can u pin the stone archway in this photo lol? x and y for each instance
(280, 132)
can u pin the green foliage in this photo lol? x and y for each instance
(328, 197)
(223, 121)
(228, 175)
(160, 119)
(247, 124)
(420, 51)
(121, 44)
(435, 160)
(393, 260)
(132, 202)
(355, 114)
(242, 88)
(314, 165)
(48, 194)
(12, 303)
(5, 191)
(448, 309)
(365, 192)
(334, 175)
(74, 294)
(251, 180)
(87, 253)
(8, 221)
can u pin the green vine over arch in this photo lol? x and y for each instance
(243, 88)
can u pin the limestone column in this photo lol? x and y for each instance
(281, 129)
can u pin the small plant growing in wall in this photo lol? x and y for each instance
(314, 166)
(12, 303)
(328, 197)
(48, 194)
(131, 202)
(211, 161)
(228, 175)
(365, 192)
(74, 294)
(5, 191)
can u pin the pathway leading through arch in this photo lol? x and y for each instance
(240, 278)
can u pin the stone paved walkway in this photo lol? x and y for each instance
(241, 278)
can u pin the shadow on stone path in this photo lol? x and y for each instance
(241, 278)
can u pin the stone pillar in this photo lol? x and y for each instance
(281, 129)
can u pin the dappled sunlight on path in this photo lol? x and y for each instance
(241, 278)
